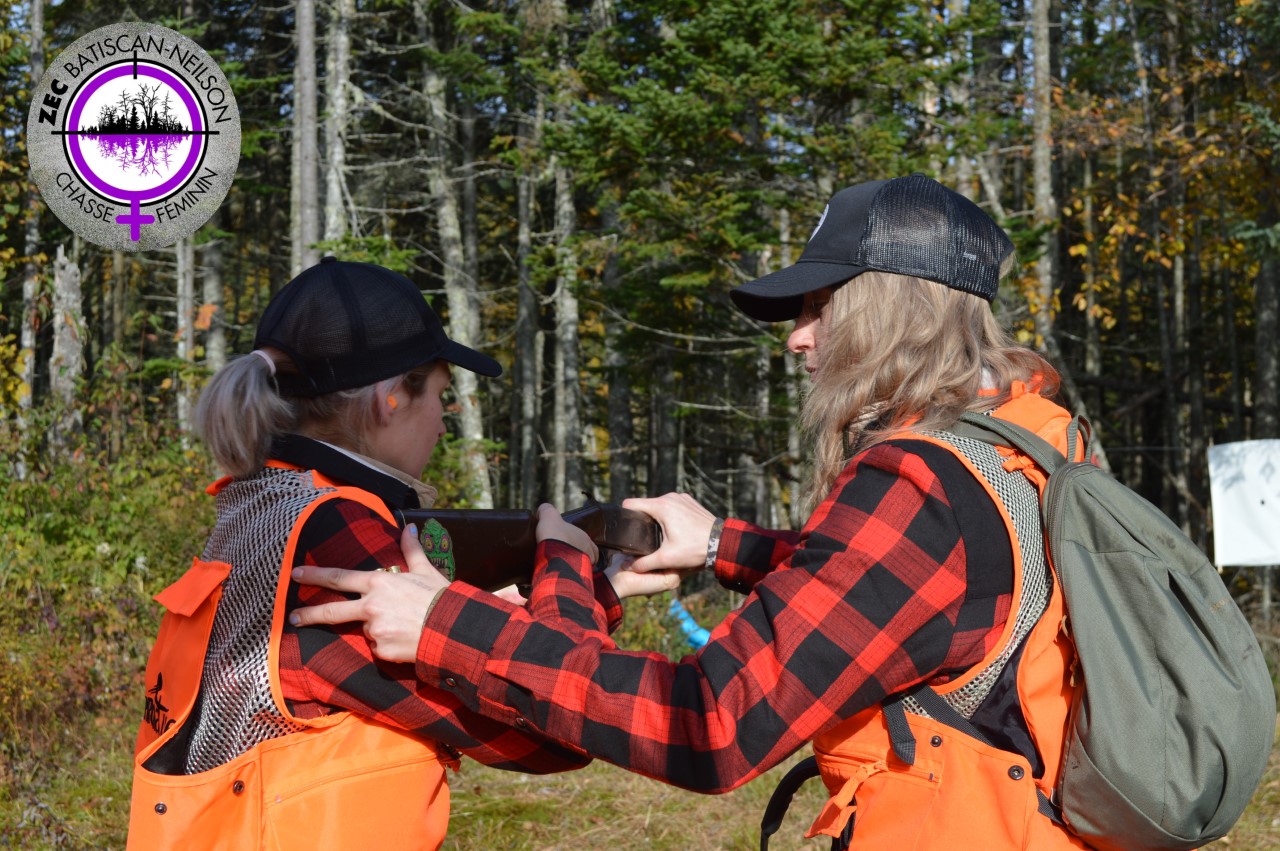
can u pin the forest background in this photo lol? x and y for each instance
(576, 186)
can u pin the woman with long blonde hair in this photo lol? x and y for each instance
(919, 578)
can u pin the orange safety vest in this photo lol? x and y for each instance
(961, 794)
(338, 781)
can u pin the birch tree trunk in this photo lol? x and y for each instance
(621, 427)
(958, 90)
(525, 409)
(184, 253)
(566, 437)
(461, 289)
(66, 364)
(338, 62)
(31, 272)
(305, 129)
(213, 313)
(469, 191)
(1046, 208)
(1042, 168)
(566, 449)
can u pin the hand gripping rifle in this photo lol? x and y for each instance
(494, 547)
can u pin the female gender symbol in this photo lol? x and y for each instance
(136, 197)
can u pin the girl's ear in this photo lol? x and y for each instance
(384, 407)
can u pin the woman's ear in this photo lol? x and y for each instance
(383, 407)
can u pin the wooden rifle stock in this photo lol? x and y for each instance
(494, 547)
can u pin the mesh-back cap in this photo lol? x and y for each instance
(907, 226)
(348, 325)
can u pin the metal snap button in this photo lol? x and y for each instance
(161, 809)
(1016, 772)
(936, 741)
(237, 787)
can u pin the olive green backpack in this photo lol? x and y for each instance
(1170, 735)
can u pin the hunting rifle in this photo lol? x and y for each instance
(494, 547)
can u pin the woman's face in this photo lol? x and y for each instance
(413, 426)
(811, 327)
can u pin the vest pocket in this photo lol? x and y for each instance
(354, 785)
(960, 795)
(195, 812)
(888, 800)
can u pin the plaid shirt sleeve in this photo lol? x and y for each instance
(867, 604)
(748, 553)
(328, 668)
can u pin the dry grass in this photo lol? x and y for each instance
(601, 807)
(82, 803)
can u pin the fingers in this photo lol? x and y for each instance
(415, 559)
(328, 613)
(551, 526)
(333, 578)
(628, 583)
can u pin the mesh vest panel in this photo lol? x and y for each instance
(234, 710)
(1022, 502)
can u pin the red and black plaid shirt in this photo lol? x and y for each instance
(323, 669)
(903, 574)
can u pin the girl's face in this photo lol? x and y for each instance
(811, 328)
(413, 426)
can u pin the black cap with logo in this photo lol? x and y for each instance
(908, 226)
(348, 325)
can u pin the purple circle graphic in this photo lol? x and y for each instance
(193, 110)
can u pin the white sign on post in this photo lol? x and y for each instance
(1244, 484)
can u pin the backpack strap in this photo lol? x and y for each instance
(998, 432)
(780, 800)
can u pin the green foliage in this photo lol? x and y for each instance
(446, 473)
(370, 249)
(85, 541)
(72, 524)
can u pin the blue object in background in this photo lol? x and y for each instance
(694, 634)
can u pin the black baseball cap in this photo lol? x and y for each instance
(348, 325)
(908, 226)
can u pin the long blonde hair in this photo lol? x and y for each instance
(240, 411)
(900, 353)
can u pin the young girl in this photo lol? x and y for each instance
(260, 734)
(922, 563)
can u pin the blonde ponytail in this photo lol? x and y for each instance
(240, 412)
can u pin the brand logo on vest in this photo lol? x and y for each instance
(133, 136)
(156, 713)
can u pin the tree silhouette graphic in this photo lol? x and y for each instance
(139, 131)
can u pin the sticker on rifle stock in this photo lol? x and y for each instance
(133, 136)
